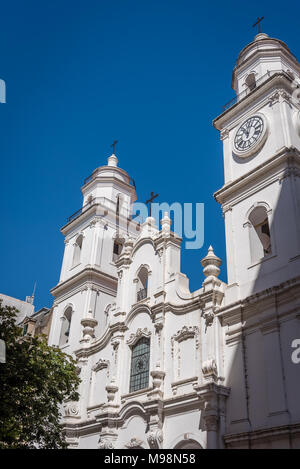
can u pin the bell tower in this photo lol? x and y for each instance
(260, 131)
(94, 237)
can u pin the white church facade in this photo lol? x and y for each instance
(163, 367)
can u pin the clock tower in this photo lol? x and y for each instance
(260, 130)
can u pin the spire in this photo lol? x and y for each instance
(30, 299)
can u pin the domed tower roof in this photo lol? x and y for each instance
(262, 42)
(263, 54)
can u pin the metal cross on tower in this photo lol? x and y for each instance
(113, 145)
(258, 23)
(150, 201)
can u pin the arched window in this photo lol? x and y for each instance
(77, 250)
(65, 328)
(142, 284)
(139, 373)
(260, 237)
(251, 81)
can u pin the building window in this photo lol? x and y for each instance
(25, 329)
(77, 250)
(142, 284)
(139, 373)
(65, 328)
(117, 249)
(251, 81)
(260, 237)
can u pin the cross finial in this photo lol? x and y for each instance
(151, 200)
(258, 21)
(113, 145)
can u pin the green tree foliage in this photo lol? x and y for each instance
(34, 382)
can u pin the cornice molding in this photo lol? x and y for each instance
(172, 405)
(111, 180)
(100, 343)
(232, 313)
(279, 79)
(88, 274)
(138, 308)
(285, 155)
(268, 433)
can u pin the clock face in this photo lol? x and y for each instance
(249, 133)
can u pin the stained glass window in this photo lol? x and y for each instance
(139, 373)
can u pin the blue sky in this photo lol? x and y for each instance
(79, 75)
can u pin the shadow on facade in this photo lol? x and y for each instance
(263, 409)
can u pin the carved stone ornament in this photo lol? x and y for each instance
(100, 364)
(89, 325)
(185, 333)
(279, 94)
(274, 99)
(72, 409)
(120, 274)
(285, 96)
(155, 438)
(105, 444)
(157, 377)
(208, 317)
(160, 253)
(158, 326)
(209, 369)
(133, 338)
(224, 134)
(115, 343)
(128, 246)
(134, 443)
(111, 390)
(93, 222)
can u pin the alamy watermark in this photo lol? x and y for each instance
(2, 91)
(188, 219)
(185, 220)
(296, 353)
